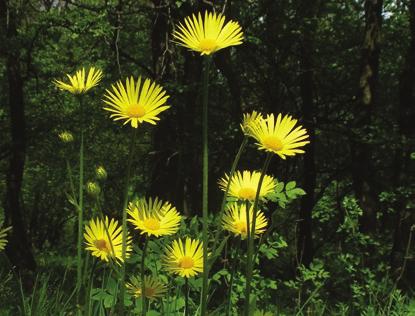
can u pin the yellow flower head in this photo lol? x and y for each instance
(234, 220)
(65, 137)
(105, 240)
(77, 83)
(3, 240)
(184, 259)
(208, 35)
(249, 119)
(136, 102)
(153, 288)
(154, 217)
(244, 185)
(279, 136)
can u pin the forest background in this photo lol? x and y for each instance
(345, 68)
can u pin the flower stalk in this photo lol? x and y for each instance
(205, 155)
(143, 284)
(251, 229)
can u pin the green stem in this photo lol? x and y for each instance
(143, 285)
(187, 290)
(124, 215)
(90, 287)
(250, 263)
(234, 266)
(205, 98)
(80, 205)
(225, 195)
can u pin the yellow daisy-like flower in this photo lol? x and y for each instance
(244, 185)
(105, 242)
(153, 288)
(184, 259)
(3, 240)
(249, 119)
(208, 35)
(154, 217)
(136, 102)
(279, 136)
(77, 84)
(234, 220)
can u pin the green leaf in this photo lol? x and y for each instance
(290, 185)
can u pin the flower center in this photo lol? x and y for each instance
(241, 227)
(152, 224)
(101, 244)
(207, 45)
(247, 193)
(136, 110)
(273, 143)
(186, 262)
(149, 292)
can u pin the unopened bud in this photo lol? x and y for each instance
(93, 189)
(101, 173)
(65, 137)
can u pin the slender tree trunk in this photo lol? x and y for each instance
(406, 117)
(19, 249)
(308, 11)
(363, 173)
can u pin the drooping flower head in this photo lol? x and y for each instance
(184, 259)
(209, 34)
(3, 235)
(153, 287)
(249, 119)
(136, 102)
(154, 217)
(77, 83)
(104, 240)
(279, 136)
(234, 220)
(244, 185)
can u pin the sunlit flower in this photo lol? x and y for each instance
(279, 136)
(244, 185)
(249, 119)
(154, 217)
(105, 241)
(234, 220)
(136, 102)
(3, 240)
(184, 259)
(208, 35)
(77, 83)
(153, 288)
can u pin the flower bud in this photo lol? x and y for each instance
(93, 189)
(101, 173)
(65, 137)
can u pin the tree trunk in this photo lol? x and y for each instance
(19, 249)
(305, 238)
(363, 173)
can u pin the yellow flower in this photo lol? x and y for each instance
(3, 240)
(105, 242)
(234, 220)
(184, 259)
(279, 136)
(244, 185)
(154, 217)
(77, 84)
(153, 288)
(208, 35)
(249, 119)
(136, 103)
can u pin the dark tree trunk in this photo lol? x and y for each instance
(19, 250)
(363, 173)
(308, 12)
(406, 117)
